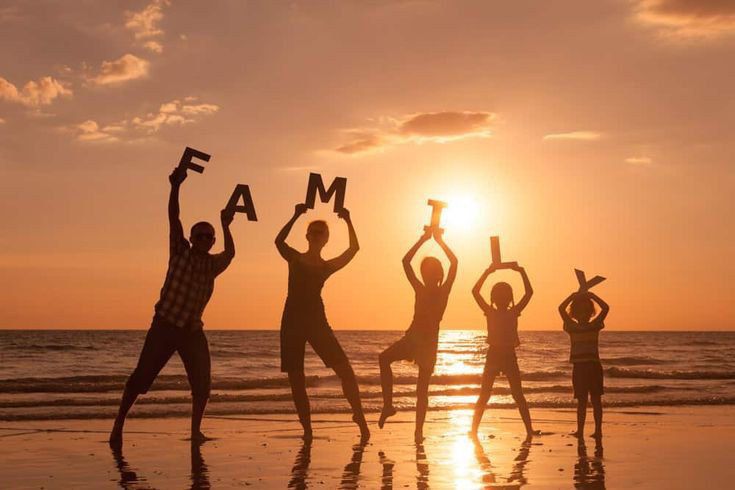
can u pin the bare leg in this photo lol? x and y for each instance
(352, 393)
(297, 380)
(198, 405)
(385, 359)
(581, 415)
(126, 403)
(516, 389)
(486, 390)
(597, 412)
(422, 403)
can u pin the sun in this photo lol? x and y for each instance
(462, 212)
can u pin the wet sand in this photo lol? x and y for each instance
(670, 448)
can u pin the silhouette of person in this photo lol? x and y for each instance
(577, 311)
(177, 322)
(300, 469)
(589, 473)
(502, 337)
(304, 319)
(420, 341)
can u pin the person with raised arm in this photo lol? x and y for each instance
(177, 323)
(502, 338)
(577, 312)
(304, 319)
(419, 343)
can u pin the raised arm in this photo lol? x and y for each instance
(527, 288)
(604, 307)
(452, 274)
(477, 289)
(287, 252)
(407, 268)
(176, 231)
(342, 260)
(563, 307)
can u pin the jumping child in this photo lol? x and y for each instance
(502, 337)
(419, 344)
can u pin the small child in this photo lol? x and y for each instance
(419, 344)
(577, 311)
(502, 337)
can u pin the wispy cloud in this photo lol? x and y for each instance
(174, 113)
(574, 136)
(437, 127)
(145, 25)
(688, 19)
(640, 160)
(127, 67)
(34, 93)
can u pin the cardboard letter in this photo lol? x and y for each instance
(190, 153)
(584, 284)
(436, 214)
(247, 207)
(337, 189)
(495, 253)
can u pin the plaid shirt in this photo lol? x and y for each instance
(189, 284)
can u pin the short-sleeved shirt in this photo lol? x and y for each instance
(189, 284)
(428, 310)
(304, 306)
(584, 340)
(502, 328)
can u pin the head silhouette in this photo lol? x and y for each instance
(317, 234)
(582, 308)
(501, 295)
(202, 237)
(432, 271)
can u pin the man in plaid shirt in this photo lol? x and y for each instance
(177, 323)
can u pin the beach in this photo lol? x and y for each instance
(676, 447)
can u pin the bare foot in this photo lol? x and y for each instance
(364, 431)
(199, 438)
(418, 437)
(530, 434)
(596, 435)
(577, 434)
(387, 412)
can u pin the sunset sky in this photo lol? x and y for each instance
(596, 135)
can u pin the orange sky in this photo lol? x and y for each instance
(595, 135)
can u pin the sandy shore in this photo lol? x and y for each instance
(683, 447)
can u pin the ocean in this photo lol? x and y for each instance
(52, 374)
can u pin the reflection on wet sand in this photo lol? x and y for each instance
(422, 468)
(515, 479)
(128, 477)
(351, 473)
(199, 469)
(386, 481)
(589, 473)
(300, 470)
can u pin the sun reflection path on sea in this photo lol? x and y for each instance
(464, 464)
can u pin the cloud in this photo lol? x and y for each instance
(436, 127)
(686, 19)
(174, 113)
(574, 135)
(34, 93)
(90, 131)
(642, 161)
(145, 24)
(127, 67)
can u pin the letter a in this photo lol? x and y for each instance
(337, 189)
(190, 153)
(234, 206)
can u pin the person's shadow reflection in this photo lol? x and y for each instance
(300, 470)
(516, 477)
(589, 473)
(128, 477)
(351, 473)
(199, 469)
(422, 468)
(386, 482)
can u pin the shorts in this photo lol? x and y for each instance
(417, 347)
(501, 360)
(322, 340)
(587, 379)
(162, 340)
